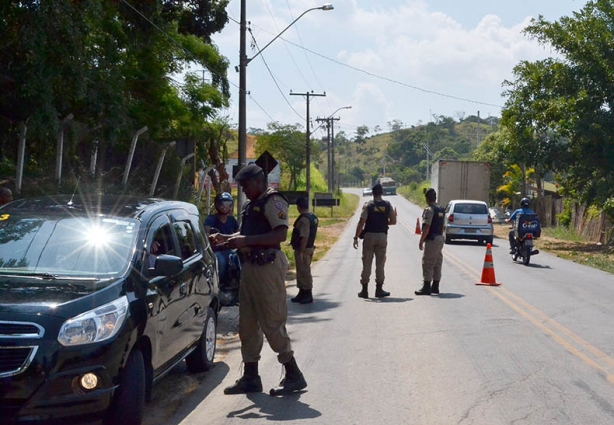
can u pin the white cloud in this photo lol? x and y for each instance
(458, 52)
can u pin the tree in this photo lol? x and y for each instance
(564, 108)
(395, 125)
(108, 64)
(361, 133)
(494, 149)
(287, 144)
(514, 179)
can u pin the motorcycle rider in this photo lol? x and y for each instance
(223, 222)
(524, 209)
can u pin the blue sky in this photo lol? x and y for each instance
(390, 60)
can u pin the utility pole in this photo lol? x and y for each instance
(308, 140)
(242, 69)
(330, 133)
(242, 101)
(478, 143)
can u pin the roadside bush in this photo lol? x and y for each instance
(565, 217)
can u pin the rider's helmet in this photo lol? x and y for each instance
(224, 202)
(525, 202)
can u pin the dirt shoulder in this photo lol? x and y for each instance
(587, 253)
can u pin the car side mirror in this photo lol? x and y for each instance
(167, 265)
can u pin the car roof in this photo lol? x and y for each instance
(86, 204)
(467, 201)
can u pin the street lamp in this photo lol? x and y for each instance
(332, 146)
(243, 61)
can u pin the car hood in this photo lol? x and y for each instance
(44, 293)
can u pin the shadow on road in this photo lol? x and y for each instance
(275, 408)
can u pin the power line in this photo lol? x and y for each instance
(387, 78)
(273, 77)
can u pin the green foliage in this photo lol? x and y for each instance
(402, 151)
(560, 112)
(287, 144)
(414, 192)
(515, 180)
(565, 217)
(107, 63)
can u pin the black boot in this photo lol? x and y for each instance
(293, 382)
(307, 297)
(425, 290)
(435, 288)
(379, 292)
(298, 297)
(250, 382)
(364, 293)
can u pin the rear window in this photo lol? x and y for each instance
(471, 209)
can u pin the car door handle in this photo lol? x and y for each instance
(182, 289)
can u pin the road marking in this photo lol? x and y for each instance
(563, 336)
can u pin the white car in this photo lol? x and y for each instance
(497, 215)
(467, 219)
(367, 192)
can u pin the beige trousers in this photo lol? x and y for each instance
(263, 310)
(432, 259)
(304, 280)
(374, 244)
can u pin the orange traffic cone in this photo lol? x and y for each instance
(418, 231)
(488, 271)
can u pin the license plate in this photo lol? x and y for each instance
(470, 230)
(528, 242)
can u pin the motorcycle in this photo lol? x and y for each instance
(526, 229)
(229, 271)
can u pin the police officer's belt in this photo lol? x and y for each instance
(258, 256)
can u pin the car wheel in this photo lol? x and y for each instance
(129, 399)
(448, 239)
(201, 359)
(489, 240)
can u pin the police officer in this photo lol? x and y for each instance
(302, 241)
(263, 309)
(431, 242)
(376, 216)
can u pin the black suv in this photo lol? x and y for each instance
(99, 297)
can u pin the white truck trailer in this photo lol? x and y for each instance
(460, 180)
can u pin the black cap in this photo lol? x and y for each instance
(430, 194)
(302, 202)
(377, 188)
(248, 172)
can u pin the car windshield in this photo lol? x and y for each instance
(64, 246)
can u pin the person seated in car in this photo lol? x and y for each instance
(222, 222)
(6, 195)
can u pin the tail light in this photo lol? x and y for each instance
(489, 220)
(528, 236)
(451, 218)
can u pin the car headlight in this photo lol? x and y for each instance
(95, 325)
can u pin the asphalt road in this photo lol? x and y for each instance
(536, 350)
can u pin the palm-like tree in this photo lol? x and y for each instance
(515, 178)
